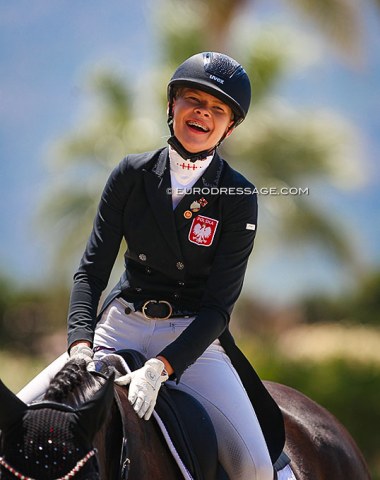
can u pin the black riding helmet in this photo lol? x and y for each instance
(218, 75)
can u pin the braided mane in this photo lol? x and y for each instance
(73, 384)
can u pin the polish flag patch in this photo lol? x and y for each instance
(202, 230)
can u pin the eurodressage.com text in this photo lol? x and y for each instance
(239, 191)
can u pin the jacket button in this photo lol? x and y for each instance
(142, 257)
(127, 310)
(180, 265)
(148, 270)
(176, 296)
(181, 284)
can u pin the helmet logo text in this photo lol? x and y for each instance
(217, 79)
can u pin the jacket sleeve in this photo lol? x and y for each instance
(223, 286)
(99, 257)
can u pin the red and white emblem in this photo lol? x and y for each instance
(202, 230)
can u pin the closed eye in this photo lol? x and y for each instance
(193, 99)
(220, 109)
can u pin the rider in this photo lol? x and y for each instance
(189, 231)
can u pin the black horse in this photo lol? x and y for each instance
(77, 432)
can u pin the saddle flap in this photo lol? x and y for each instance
(188, 425)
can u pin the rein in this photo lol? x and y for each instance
(125, 461)
(79, 465)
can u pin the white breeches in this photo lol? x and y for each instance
(212, 380)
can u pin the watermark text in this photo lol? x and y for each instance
(291, 191)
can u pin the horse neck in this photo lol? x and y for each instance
(147, 450)
(108, 442)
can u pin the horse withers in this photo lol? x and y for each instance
(77, 432)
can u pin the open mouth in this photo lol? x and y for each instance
(198, 127)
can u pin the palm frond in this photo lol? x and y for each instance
(339, 21)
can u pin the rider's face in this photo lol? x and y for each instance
(199, 119)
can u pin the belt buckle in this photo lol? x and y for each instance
(145, 306)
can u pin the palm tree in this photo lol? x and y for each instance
(282, 148)
(82, 161)
(339, 21)
(278, 146)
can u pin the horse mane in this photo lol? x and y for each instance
(73, 384)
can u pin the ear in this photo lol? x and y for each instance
(11, 407)
(230, 129)
(172, 106)
(92, 413)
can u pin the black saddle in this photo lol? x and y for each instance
(189, 427)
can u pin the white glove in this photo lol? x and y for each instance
(81, 350)
(145, 384)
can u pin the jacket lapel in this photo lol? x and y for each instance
(157, 182)
(199, 203)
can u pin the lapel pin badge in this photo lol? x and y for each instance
(195, 206)
(187, 214)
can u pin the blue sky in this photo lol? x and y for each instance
(47, 47)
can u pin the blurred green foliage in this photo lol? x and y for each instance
(359, 306)
(29, 317)
(17, 369)
(349, 391)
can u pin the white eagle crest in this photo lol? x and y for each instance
(201, 232)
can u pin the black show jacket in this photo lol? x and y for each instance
(165, 261)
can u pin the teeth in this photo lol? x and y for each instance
(196, 124)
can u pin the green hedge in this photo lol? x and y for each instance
(350, 391)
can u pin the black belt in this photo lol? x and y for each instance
(162, 309)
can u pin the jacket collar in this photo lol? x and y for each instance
(158, 185)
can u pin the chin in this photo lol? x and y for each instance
(196, 148)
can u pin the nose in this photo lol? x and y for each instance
(202, 110)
